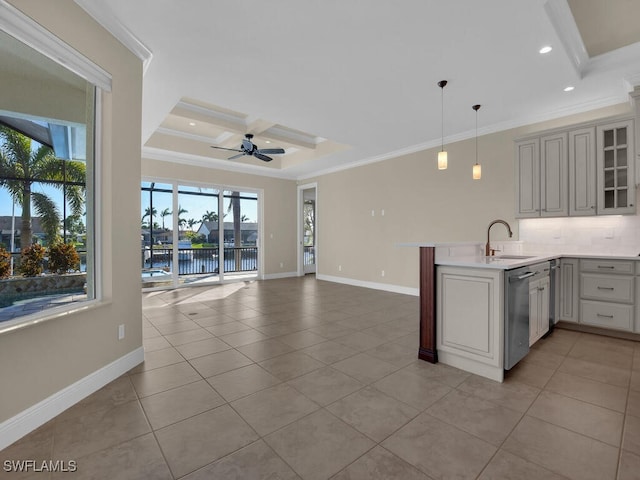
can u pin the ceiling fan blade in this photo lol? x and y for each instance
(230, 149)
(272, 151)
(262, 157)
(236, 156)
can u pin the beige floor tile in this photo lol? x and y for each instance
(439, 371)
(613, 355)
(217, 363)
(513, 395)
(486, 420)
(393, 353)
(439, 449)
(562, 451)
(243, 338)
(373, 413)
(227, 328)
(242, 381)
(189, 336)
(587, 390)
(177, 327)
(635, 380)
(329, 352)
(279, 329)
(302, 339)
(596, 371)
(159, 358)
(636, 359)
(359, 341)
(629, 468)
(193, 443)
(326, 385)
(554, 345)
(174, 405)
(116, 393)
(365, 368)
(212, 320)
(291, 365)
(380, 464)
(319, 445)
(150, 331)
(164, 378)
(153, 344)
(273, 408)
(633, 403)
(544, 359)
(80, 436)
(581, 417)
(386, 331)
(505, 465)
(137, 458)
(255, 461)
(331, 330)
(36, 446)
(412, 341)
(265, 350)
(529, 373)
(631, 439)
(201, 348)
(414, 390)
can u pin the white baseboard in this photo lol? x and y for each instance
(275, 276)
(376, 286)
(33, 417)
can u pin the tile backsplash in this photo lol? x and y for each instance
(607, 234)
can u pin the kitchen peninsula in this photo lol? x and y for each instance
(465, 316)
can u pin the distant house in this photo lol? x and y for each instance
(159, 236)
(248, 231)
(5, 230)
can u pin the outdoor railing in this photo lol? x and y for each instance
(199, 261)
(309, 254)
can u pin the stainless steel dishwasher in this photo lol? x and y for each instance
(516, 308)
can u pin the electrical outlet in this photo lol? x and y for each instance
(339, 268)
(382, 212)
(382, 274)
(281, 265)
(373, 213)
(121, 331)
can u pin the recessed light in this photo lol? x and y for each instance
(193, 124)
(569, 88)
(545, 49)
(267, 141)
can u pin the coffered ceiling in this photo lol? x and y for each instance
(339, 83)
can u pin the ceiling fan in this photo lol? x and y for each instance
(249, 148)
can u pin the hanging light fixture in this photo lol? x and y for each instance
(477, 168)
(442, 155)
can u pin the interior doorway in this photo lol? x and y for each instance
(307, 229)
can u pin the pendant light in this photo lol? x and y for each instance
(442, 155)
(477, 169)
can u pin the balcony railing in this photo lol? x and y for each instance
(202, 261)
(309, 255)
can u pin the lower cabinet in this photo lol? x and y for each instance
(569, 291)
(470, 319)
(538, 309)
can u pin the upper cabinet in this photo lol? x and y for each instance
(616, 173)
(586, 170)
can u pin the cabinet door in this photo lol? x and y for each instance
(553, 176)
(616, 168)
(569, 289)
(528, 178)
(582, 172)
(543, 299)
(534, 311)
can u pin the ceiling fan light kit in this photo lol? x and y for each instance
(477, 168)
(250, 149)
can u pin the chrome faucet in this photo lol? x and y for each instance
(487, 248)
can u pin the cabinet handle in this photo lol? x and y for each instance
(606, 266)
(604, 316)
(605, 288)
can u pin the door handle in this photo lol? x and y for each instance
(526, 275)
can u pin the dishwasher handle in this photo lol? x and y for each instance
(524, 275)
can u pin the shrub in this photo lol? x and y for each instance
(63, 257)
(31, 260)
(5, 263)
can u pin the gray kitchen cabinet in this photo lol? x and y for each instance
(569, 278)
(582, 171)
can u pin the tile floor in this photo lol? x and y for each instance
(299, 378)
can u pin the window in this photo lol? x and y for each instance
(214, 234)
(47, 171)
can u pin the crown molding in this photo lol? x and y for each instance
(101, 14)
(24, 29)
(564, 24)
(152, 153)
(192, 136)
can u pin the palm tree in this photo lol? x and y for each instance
(149, 212)
(164, 213)
(191, 222)
(244, 218)
(209, 216)
(21, 165)
(181, 221)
